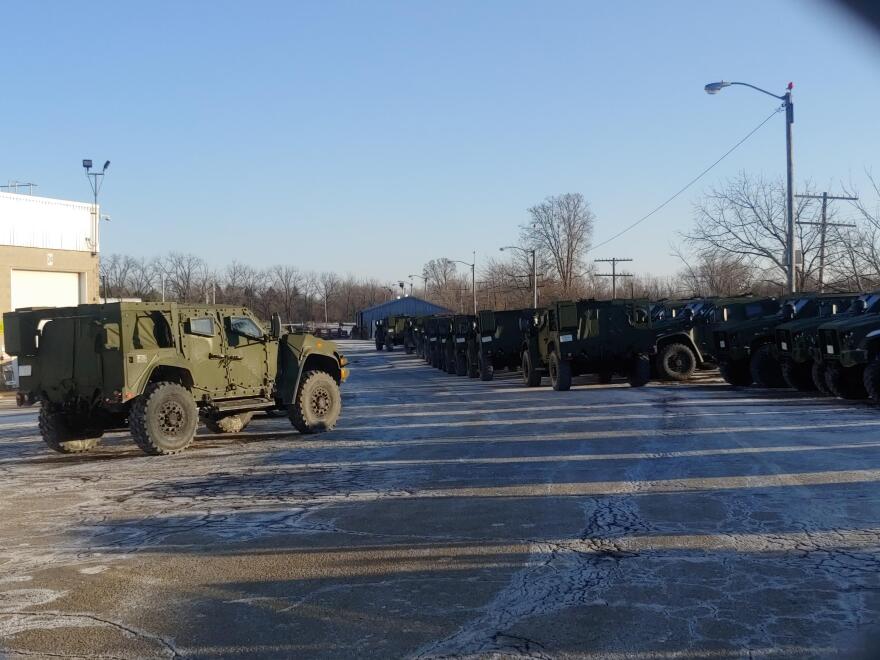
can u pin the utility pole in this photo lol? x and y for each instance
(824, 224)
(613, 274)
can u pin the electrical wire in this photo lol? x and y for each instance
(690, 183)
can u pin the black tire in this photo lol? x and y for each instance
(798, 375)
(229, 423)
(818, 374)
(736, 373)
(379, 345)
(317, 405)
(449, 361)
(487, 371)
(408, 349)
(605, 377)
(163, 419)
(473, 364)
(531, 376)
(560, 373)
(765, 368)
(61, 436)
(461, 367)
(871, 380)
(389, 346)
(676, 362)
(639, 371)
(845, 382)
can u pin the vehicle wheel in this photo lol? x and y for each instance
(871, 380)
(845, 383)
(389, 346)
(676, 362)
(229, 423)
(408, 349)
(378, 345)
(818, 374)
(736, 373)
(487, 371)
(605, 377)
(798, 375)
(163, 419)
(765, 368)
(531, 376)
(461, 367)
(473, 365)
(560, 373)
(317, 405)
(59, 435)
(450, 363)
(639, 371)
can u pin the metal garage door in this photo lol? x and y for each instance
(40, 288)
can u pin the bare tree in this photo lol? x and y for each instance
(561, 229)
(327, 286)
(287, 282)
(186, 276)
(745, 218)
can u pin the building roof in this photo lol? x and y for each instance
(410, 305)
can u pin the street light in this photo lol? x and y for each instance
(714, 88)
(96, 188)
(534, 254)
(424, 283)
(473, 277)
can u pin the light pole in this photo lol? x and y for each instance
(424, 284)
(473, 277)
(714, 88)
(534, 254)
(96, 188)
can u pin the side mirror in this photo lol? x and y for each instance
(275, 326)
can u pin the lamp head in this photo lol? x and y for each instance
(87, 164)
(715, 87)
(106, 165)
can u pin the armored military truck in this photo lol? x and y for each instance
(462, 328)
(680, 338)
(436, 328)
(395, 333)
(849, 350)
(726, 342)
(497, 341)
(797, 341)
(160, 366)
(747, 348)
(589, 336)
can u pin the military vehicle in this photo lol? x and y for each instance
(396, 333)
(497, 341)
(680, 338)
(849, 348)
(434, 349)
(461, 330)
(589, 336)
(797, 341)
(160, 366)
(747, 348)
(416, 332)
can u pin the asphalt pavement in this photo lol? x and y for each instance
(449, 517)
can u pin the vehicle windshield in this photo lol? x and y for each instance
(872, 302)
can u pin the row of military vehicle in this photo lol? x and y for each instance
(158, 368)
(824, 342)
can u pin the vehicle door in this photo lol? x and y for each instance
(248, 356)
(202, 347)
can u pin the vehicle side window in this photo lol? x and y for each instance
(242, 325)
(202, 325)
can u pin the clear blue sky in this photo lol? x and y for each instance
(369, 137)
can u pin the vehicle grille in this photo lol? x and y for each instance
(829, 342)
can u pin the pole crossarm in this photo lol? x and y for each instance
(824, 224)
(613, 274)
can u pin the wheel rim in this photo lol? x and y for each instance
(172, 418)
(678, 362)
(320, 402)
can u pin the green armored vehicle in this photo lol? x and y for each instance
(747, 348)
(379, 332)
(395, 333)
(849, 348)
(435, 328)
(161, 366)
(797, 341)
(589, 336)
(497, 341)
(730, 352)
(681, 332)
(461, 331)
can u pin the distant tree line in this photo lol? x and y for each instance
(736, 245)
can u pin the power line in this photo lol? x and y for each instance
(690, 183)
